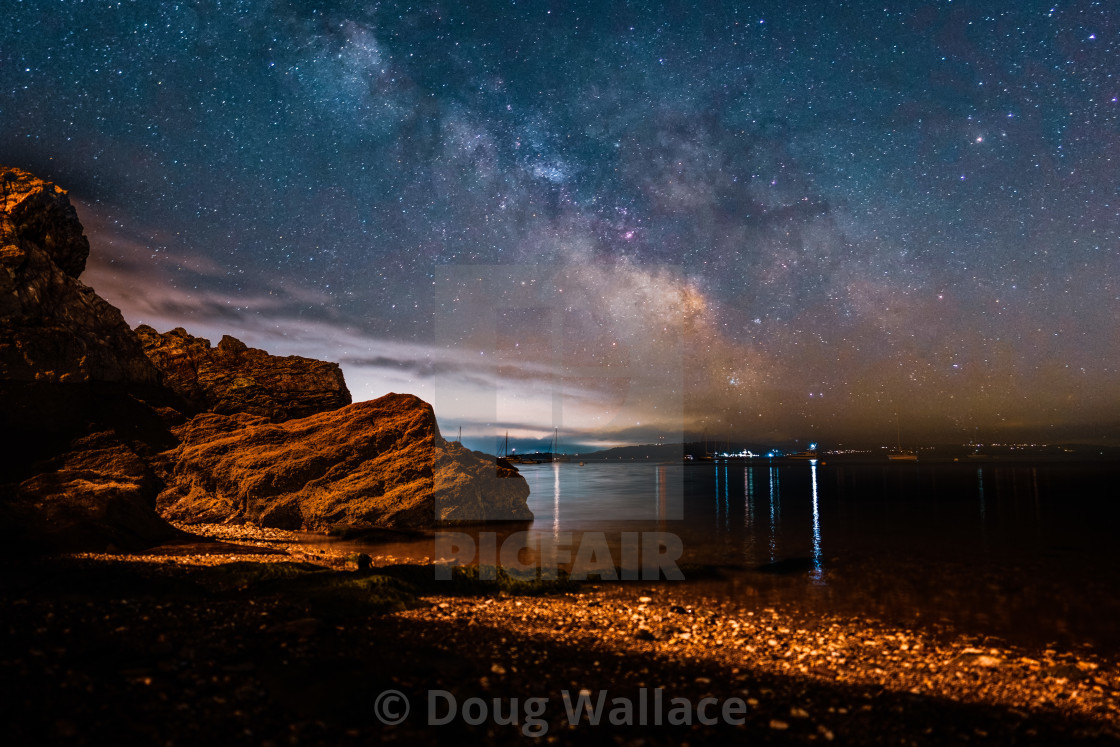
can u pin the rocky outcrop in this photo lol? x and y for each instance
(234, 378)
(95, 496)
(380, 463)
(74, 382)
(52, 326)
(98, 419)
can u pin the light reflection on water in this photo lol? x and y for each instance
(1020, 549)
(775, 514)
(813, 511)
(817, 573)
(980, 483)
(555, 499)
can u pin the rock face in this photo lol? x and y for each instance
(77, 475)
(234, 378)
(73, 384)
(98, 419)
(52, 326)
(380, 463)
(97, 495)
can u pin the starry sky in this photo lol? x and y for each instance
(631, 221)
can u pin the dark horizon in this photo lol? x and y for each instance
(1073, 439)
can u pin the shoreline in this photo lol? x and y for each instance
(892, 588)
(275, 646)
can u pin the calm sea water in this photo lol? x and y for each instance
(1019, 551)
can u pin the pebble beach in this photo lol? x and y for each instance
(204, 640)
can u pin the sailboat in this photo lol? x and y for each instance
(899, 455)
(556, 445)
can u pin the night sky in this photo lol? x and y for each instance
(630, 221)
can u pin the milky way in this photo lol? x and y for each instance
(778, 220)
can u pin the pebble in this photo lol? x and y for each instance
(723, 636)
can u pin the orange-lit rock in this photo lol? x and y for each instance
(379, 463)
(52, 326)
(97, 495)
(73, 380)
(95, 431)
(233, 377)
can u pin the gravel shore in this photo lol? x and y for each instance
(257, 637)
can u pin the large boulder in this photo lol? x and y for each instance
(380, 463)
(52, 326)
(234, 378)
(96, 495)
